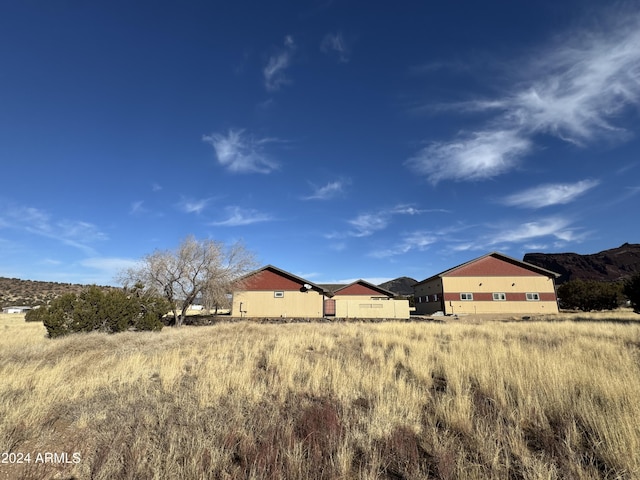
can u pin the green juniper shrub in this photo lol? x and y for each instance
(152, 308)
(35, 315)
(588, 295)
(632, 291)
(111, 311)
(58, 316)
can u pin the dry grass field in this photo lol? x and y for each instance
(454, 400)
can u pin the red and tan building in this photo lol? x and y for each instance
(272, 292)
(493, 283)
(361, 299)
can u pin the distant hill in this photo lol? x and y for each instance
(14, 291)
(609, 265)
(400, 285)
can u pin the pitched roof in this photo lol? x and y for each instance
(371, 286)
(332, 287)
(284, 273)
(500, 256)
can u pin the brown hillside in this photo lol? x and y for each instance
(609, 265)
(14, 291)
(400, 285)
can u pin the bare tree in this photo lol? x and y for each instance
(197, 268)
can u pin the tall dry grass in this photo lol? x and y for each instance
(529, 400)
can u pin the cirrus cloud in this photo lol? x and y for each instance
(240, 152)
(574, 90)
(549, 194)
(274, 72)
(237, 217)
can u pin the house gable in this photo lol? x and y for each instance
(491, 265)
(360, 287)
(273, 278)
(270, 280)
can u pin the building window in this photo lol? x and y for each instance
(466, 296)
(278, 294)
(533, 297)
(499, 297)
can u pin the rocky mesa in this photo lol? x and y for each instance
(609, 265)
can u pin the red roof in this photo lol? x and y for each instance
(493, 264)
(362, 287)
(273, 278)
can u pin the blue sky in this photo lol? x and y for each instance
(337, 139)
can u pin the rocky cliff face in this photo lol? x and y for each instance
(609, 265)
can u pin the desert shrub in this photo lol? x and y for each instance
(588, 295)
(107, 311)
(34, 315)
(632, 291)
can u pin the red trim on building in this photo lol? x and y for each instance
(488, 297)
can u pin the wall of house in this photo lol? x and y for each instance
(293, 303)
(350, 307)
(515, 289)
(428, 297)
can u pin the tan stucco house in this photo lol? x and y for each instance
(272, 292)
(361, 299)
(493, 283)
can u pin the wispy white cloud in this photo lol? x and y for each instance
(74, 233)
(328, 191)
(553, 227)
(625, 168)
(156, 187)
(51, 261)
(574, 91)
(368, 223)
(623, 194)
(477, 156)
(420, 240)
(407, 210)
(537, 247)
(137, 208)
(275, 70)
(414, 241)
(549, 194)
(465, 247)
(338, 246)
(533, 234)
(189, 205)
(237, 216)
(240, 152)
(108, 268)
(335, 44)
